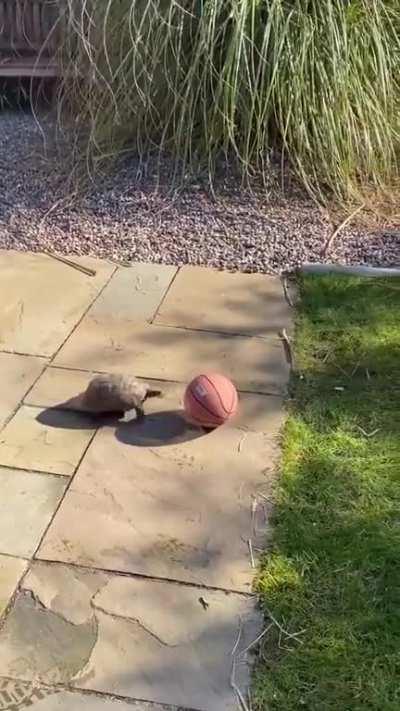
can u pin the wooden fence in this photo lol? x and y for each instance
(29, 36)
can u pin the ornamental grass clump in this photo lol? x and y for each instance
(201, 80)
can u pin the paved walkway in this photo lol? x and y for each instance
(127, 550)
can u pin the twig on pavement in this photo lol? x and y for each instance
(86, 270)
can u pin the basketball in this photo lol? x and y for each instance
(210, 400)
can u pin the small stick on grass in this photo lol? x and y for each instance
(327, 355)
(288, 635)
(368, 434)
(338, 229)
(342, 370)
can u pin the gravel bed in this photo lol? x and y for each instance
(130, 219)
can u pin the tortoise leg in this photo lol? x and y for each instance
(139, 412)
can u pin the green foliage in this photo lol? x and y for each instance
(201, 79)
(333, 572)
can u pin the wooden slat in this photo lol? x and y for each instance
(27, 33)
(47, 71)
(26, 24)
(37, 28)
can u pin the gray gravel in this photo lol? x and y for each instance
(127, 218)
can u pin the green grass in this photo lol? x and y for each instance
(204, 79)
(333, 570)
(348, 326)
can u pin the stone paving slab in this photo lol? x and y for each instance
(27, 503)
(143, 639)
(254, 364)
(18, 373)
(17, 695)
(224, 302)
(11, 571)
(134, 293)
(260, 413)
(46, 441)
(43, 299)
(157, 498)
(182, 511)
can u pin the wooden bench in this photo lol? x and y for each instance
(29, 38)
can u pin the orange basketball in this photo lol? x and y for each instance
(210, 400)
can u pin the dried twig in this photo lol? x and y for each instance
(254, 508)
(257, 639)
(368, 434)
(288, 635)
(63, 201)
(286, 292)
(249, 543)
(233, 683)
(327, 355)
(236, 688)
(340, 227)
(267, 498)
(242, 439)
(86, 270)
(342, 370)
(348, 375)
(287, 346)
(239, 634)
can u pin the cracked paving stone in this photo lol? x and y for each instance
(11, 571)
(43, 645)
(18, 695)
(136, 638)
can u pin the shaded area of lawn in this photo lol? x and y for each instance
(333, 570)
